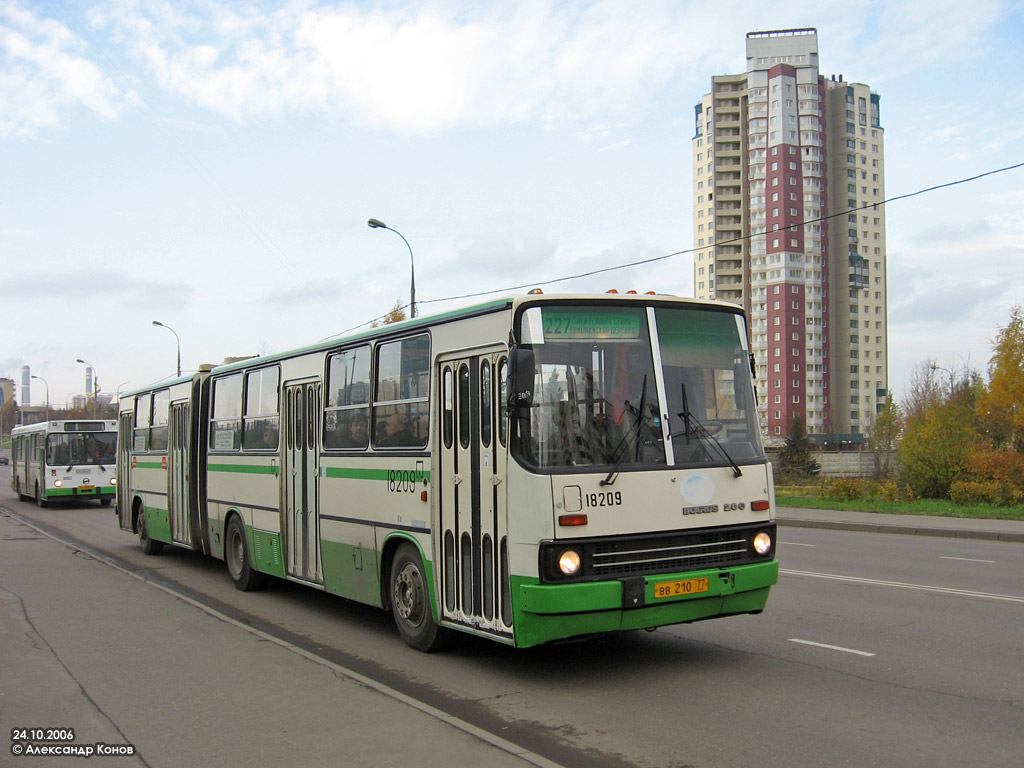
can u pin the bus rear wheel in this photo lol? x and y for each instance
(149, 546)
(236, 553)
(410, 601)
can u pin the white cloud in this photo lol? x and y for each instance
(44, 73)
(432, 66)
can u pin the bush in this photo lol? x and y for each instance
(967, 492)
(999, 466)
(891, 490)
(844, 489)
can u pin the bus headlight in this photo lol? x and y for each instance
(113, 481)
(569, 562)
(763, 543)
(58, 483)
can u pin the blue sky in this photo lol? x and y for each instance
(212, 165)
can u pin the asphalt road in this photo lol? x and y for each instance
(875, 650)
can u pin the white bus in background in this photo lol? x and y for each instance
(530, 469)
(64, 461)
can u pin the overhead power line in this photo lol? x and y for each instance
(654, 259)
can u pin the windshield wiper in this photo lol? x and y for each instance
(623, 447)
(692, 424)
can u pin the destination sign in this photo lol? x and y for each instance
(590, 325)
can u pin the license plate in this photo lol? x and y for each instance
(87, 488)
(681, 588)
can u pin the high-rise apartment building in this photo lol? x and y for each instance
(787, 185)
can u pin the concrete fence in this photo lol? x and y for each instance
(848, 464)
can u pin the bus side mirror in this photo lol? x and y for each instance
(520, 376)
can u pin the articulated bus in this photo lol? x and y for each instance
(530, 469)
(64, 460)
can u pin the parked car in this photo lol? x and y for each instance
(4, 459)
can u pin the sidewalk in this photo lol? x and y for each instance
(140, 674)
(915, 525)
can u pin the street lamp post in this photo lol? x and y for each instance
(378, 224)
(47, 394)
(95, 386)
(157, 322)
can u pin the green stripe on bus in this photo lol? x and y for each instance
(94, 490)
(245, 469)
(350, 473)
(148, 465)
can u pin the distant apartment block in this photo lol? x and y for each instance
(788, 176)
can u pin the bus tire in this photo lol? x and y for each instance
(149, 546)
(236, 555)
(42, 502)
(410, 601)
(105, 501)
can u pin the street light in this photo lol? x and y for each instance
(47, 394)
(378, 224)
(157, 322)
(95, 386)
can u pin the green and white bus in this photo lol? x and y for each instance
(530, 469)
(64, 461)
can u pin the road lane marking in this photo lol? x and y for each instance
(830, 647)
(965, 559)
(902, 585)
(795, 544)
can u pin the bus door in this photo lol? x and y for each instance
(125, 436)
(471, 478)
(177, 474)
(301, 523)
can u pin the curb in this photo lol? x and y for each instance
(909, 530)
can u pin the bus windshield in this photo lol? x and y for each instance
(588, 388)
(76, 449)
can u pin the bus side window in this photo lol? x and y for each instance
(347, 411)
(226, 425)
(143, 414)
(401, 389)
(161, 414)
(260, 424)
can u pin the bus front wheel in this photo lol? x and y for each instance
(40, 500)
(410, 601)
(236, 554)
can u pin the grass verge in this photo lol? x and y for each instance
(807, 498)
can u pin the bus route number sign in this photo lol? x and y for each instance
(681, 588)
(577, 324)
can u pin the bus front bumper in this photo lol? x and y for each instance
(546, 612)
(85, 491)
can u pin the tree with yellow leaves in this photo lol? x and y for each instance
(1000, 409)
